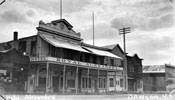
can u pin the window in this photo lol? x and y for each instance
(71, 83)
(42, 81)
(22, 46)
(122, 64)
(121, 82)
(111, 82)
(101, 60)
(61, 82)
(102, 82)
(71, 79)
(33, 48)
(87, 57)
(112, 62)
(94, 59)
(131, 69)
(85, 82)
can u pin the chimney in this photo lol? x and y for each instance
(15, 36)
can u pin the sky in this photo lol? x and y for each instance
(151, 21)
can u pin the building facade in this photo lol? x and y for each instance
(13, 71)
(61, 63)
(134, 68)
(159, 77)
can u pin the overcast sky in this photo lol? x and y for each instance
(151, 21)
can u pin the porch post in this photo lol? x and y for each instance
(115, 80)
(76, 83)
(47, 77)
(64, 71)
(88, 80)
(107, 86)
(98, 80)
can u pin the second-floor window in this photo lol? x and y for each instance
(33, 48)
(112, 62)
(22, 46)
(131, 69)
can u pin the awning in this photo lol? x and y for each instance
(58, 43)
(102, 52)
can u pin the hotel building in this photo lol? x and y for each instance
(60, 62)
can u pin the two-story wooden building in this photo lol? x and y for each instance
(61, 63)
(134, 68)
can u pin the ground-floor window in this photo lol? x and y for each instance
(71, 83)
(102, 82)
(61, 82)
(121, 82)
(111, 82)
(71, 79)
(42, 81)
(85, 82)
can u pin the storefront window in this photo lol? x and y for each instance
(102, 82)
(61, 82)
(71, 79)
(71, 83)
(42, 81)
(85, 82)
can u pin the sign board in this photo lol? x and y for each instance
(73, 62)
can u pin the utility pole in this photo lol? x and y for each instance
(125, 81)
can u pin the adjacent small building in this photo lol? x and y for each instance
(13, 70)
(158, 77)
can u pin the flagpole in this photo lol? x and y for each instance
(93, 27)
(60, 9)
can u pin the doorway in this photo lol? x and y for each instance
(55, 84)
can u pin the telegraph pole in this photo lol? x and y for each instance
(125, 31)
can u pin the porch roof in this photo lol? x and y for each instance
(58, 43)
(102, 52)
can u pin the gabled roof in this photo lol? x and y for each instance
(111, 47)
(95, 47)
(5, 46)
(99, 50)
(64, 21)
(135, 55)
(13, 56)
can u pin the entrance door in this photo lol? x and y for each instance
(94, 86)
(60, 83)
(55, 83)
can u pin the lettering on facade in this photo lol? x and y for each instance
(73, 62)
(37, 59)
